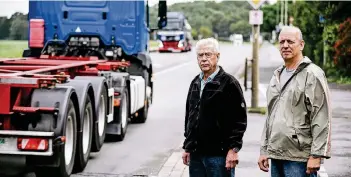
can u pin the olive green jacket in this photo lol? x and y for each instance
(299, 116)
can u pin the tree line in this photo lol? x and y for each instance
(206, 18)
(326, 28)
(15, 27)
(212, 19)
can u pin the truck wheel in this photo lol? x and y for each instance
(68, 151)
(85, 140)
(100, 126)
(123, 113)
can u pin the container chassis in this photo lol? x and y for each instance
(55, 110)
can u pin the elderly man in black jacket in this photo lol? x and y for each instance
(215, 119)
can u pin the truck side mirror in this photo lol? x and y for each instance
(162, 14)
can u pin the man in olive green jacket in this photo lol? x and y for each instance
(296, 135)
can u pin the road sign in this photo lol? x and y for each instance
(256, 3)
(256, 17)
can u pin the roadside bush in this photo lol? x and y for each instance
(342, 57)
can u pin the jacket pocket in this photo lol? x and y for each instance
(298, 109)
(305, 137)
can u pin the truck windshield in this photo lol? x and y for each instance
(173, 25)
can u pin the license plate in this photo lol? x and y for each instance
(2, 141)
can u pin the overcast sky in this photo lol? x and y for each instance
(9, 7)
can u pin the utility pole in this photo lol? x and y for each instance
(278, 12)
(255, 68)
(256, 19)
(282, 11)
(286, 12)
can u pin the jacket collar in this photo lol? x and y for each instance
(215, 79)
(304, 61)
(210, 78)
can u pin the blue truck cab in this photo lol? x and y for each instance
(107, 29)
(94, 23)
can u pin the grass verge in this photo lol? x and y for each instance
(153, 44)
(340, 80)
(258, 110)
(12, 48)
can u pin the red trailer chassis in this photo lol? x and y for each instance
(18, 76)
(23, 79)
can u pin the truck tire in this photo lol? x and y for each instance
(67, 153)
(123, 113)
(99, 132)
(85, 140)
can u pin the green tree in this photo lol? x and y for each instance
(19, 27)
(241, 27)
(270, 13)
(205, 31)
(4, 27)
(194, 33)
(217, 17)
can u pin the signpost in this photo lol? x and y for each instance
(256, 19)
(256, 4)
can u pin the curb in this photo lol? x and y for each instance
(333, 85)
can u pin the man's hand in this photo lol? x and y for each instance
(232, 159)
(313, 165)
(186, 158)
(263, 163)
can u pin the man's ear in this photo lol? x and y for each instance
(302, 45)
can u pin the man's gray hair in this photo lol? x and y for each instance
(208, 42)
(293, 28)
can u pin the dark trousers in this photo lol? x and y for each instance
(284, 168)
(209, 166)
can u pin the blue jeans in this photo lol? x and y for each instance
(209, 166)
(284, 168)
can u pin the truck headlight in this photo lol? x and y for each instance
(163, 38)
(177, 38)
(181, 43)
(160, 44)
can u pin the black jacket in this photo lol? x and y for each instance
(216, 122)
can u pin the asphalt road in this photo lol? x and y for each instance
(148, 146)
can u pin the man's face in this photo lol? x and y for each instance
(207, 58)
(290, 44)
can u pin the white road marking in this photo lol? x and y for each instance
(157, 65)
(172, 68)
(322, 172)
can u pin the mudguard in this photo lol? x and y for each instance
(97, 84)
(59, 98)
(83, 89)
(146, 59)
(119, 83)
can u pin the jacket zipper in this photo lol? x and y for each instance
(280, 93)
(275, 110)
